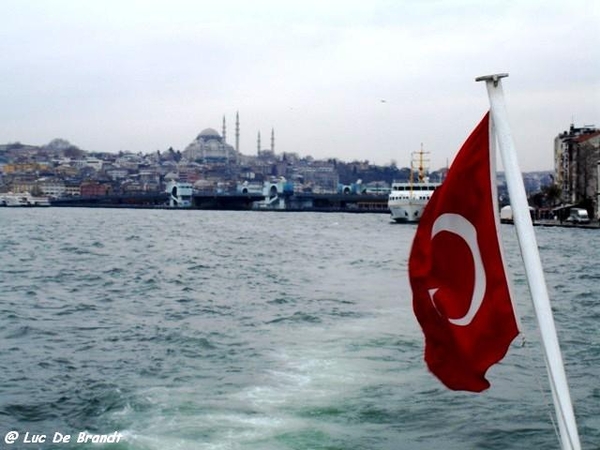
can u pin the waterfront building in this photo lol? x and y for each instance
(576, 159)
(93, 189)
(72, 189)
(52, 187)
(24, 183)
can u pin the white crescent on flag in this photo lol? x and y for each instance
(457, 224)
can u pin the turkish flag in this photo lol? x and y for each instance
(461, 296)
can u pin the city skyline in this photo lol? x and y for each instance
(363, 81)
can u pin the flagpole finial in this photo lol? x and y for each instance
(495, 78)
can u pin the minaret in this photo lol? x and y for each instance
(237, 132)
(258, 144)
(273, 140)
(598, 184)
(224, 131)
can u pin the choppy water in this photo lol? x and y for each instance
(246, 330)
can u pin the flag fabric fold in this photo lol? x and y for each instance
(461, 296)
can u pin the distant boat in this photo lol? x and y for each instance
(408, 199)
(23, 199)
(506, 214)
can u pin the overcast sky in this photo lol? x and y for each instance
(342, 79)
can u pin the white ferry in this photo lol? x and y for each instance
(22, 199)
(408, 199)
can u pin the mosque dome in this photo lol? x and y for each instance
(210, 147)
(209, 133)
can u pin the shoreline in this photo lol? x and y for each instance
(593, 225)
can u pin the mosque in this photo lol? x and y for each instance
(212, 147)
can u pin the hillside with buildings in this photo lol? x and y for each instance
(60, 169)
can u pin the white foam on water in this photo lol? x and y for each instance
(316, 370)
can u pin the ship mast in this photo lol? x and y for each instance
(421, 161)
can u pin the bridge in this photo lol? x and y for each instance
(355, 203)
(160, 200)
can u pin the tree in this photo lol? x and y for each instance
(552, 194)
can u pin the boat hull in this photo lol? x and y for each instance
(407, 212)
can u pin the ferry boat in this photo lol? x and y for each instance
(22, 199)
(408, 199)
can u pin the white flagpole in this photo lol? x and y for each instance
(533, 265)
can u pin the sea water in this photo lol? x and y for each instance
(263, 330)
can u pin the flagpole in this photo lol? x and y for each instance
(533, 265)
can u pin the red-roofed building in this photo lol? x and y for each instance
(94, 189)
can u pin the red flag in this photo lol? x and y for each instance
(460, 293)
